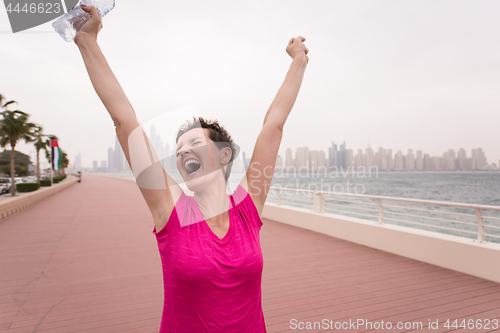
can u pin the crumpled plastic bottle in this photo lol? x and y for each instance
(70, 23)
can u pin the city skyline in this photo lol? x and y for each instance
(157, 142)
(338, 156)
(384, 160)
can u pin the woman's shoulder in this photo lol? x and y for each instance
(244, 203)
(239, 194)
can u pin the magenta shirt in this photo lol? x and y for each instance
(212, 284)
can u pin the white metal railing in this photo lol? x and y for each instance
(329, 202)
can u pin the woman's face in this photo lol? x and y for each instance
(198, 159)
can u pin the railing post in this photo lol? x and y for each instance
(319, 203)
(279, 196)
(323, 204)
(380, 212)
(480, 225)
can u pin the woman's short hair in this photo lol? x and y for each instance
(218, 135)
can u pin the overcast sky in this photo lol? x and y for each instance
(397, 74)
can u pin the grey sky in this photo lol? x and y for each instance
(397, 74)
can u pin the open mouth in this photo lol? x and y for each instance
(191, 166)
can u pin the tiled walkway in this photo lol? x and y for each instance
(85, 260)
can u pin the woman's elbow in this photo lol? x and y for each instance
(274, 125)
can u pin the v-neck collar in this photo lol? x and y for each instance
(229, 232)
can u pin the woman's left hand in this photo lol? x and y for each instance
(296, 48)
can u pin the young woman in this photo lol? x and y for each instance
(209, 242)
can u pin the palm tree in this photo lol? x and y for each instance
(39, 145)
(64, 161)
(14, 127)
(4, 105)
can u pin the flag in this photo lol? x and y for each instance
(56, 155)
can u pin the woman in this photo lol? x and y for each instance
(208, 242)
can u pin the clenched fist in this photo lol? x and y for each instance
(92, 27)
(296, 48)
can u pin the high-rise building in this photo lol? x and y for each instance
(410, 161)
(444, 161)
(382, 159)
(289, 158)
(119, 156)
(479, 158)
(390, 161)
(94, 165)
(78, 162)
(369, 157)
(359, 160)
(157, 144)
(419, 161)
(343, 157)
(302, 158)
(110, 159)
(427, 162)
(462, 159)
(116, 159)
(317, 161)
(469, 164)
(399, 164)
(436, 163)
(333, 156)
(453, 161)
(350, 159)
(338, 157)
(448, 161)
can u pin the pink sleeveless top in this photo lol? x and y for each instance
(212, 284)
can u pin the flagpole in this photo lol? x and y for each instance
(51, 161)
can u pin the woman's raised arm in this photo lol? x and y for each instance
(160, 201)
(104, 81)
(261, 168)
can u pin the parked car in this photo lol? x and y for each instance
(30, 179)
(5, 185)
(18, 179)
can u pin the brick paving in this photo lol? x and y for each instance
(85, 260)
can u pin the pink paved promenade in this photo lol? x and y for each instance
(85, 260)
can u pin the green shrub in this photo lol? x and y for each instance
(45, 182)
(58, 178)
(27, 187)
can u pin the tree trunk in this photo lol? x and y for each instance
(13, 183)
(38, 165)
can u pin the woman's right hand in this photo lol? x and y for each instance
(296, 48)
(92, 27)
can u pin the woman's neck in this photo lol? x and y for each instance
(214, 203)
